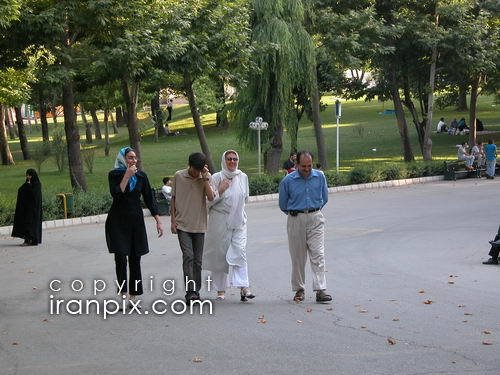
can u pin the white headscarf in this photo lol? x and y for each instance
(235, 195)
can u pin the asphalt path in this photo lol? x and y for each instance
(404, 267)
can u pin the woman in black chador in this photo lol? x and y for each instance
(28, 216)
(125, 228)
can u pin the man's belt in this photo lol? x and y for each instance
(308, 211)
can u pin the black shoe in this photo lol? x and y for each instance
(491, 261)
(192, 296)
(246, 295)
(322, 297)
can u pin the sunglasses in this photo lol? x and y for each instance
(231, 159)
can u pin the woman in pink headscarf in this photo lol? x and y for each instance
(224, 253)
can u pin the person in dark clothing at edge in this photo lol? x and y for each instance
(28, 215)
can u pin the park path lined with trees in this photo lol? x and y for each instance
(280, 56)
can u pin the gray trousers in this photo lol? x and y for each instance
(306, 236)
(192, 255)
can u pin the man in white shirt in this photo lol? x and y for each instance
(441, 126)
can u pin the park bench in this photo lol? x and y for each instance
(456, 169)
(162, 202)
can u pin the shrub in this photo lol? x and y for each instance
(59, 148)
(433, 168)
(7, 210)
(88, 155)
(264, 184)
(394, 172)
(51, 207)
(364, 174)
(335, 179)
(414, 170)
(92, 203)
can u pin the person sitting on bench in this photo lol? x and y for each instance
(478, 153)
(464, 155)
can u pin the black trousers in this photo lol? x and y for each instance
(495, 249)
(134, 286)
(192, 255)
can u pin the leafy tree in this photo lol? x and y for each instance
(284, 57)
(129, 38)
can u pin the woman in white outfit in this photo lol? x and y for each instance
(224, 253)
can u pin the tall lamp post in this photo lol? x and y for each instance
(258, 125)
(338, 114)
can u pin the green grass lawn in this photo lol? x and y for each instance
(366, 137)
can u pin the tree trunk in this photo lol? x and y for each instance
(473, 109)
(23, 140)
(427, 144)
(88, 127)
(130, 94)
(9, 122)
(53, 110)
(77, 176)
(157, 115)
(273, 153)
(400, 118)
(113, 123)
(43, 118)
(462, 97)
(220, 97)
(188, 87)
(318, 130)
(120, 120)
(5, 153)
(408, 102)
(106, 132)
(97, 126)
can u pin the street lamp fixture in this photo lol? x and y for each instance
(259, 124)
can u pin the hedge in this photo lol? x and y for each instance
(98, 202)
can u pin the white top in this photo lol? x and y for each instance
(440, 125)
(167, 192)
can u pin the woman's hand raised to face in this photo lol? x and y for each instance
(224, 185)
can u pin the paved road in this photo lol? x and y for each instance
(388, 251)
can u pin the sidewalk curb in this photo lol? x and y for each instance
(96, 219)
